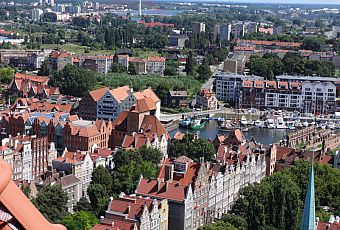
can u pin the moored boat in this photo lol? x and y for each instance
(197, 123)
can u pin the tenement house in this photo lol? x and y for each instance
(130, 212)
(240, 163)
(29, 156)
(77, 163)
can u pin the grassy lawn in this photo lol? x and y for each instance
(144, 53)
(175, 110)
(77, 49)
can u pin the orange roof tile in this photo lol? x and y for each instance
(98, 93)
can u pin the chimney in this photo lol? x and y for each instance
(159, 182)
(169, 172)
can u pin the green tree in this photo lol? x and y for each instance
(150, 154)
(204, 72)
(82, 205)
(219, 225)
(194, 149)
(73, 80)
(133, 69)
(101, 175)
(98, 195)
(294, 63)
(46, 69)
(6, 75)
(81, 220)
(190, 64)
(52, 203)
(235, 220)
(116, 66)
(127, 176)
(26, 190)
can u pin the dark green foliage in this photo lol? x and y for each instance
(219, 225)
(6, 75)
(46, 69)
(52, 203)
(26, 190)
(73, 80)
(129, 165)
(82, 205)
(204, 72)
(194, 149)
(116, 66)
(98, 196)
(313, 43)
(81, 220)
(150, 154)
(235, 220)
(270, 65)
(7, 45)
(49, 17)
(102, 176)
(190, 64)
(100, 189)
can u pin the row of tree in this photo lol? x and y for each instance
(277, 202)
(270, 65)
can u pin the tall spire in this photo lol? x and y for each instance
(308, 217)
(140, 8)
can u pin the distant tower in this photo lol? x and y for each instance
(308, 217)
(140, 8)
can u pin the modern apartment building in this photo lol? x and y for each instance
(107, 104)
(319, 97)
(308, 97)
(155, 65)
(228, 86)
(198, 27)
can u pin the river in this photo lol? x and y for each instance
(264, 136)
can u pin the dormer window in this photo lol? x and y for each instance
(180, 167)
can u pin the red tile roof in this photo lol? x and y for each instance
(98, 93)
(164, 190)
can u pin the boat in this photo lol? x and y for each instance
(270, 123)
(322, 126)
(185, 122)
(244, 120)
(330, 125)
(259, 123)
(290, 125)
(197, 123)
(298, 124)
(280, 123)
(226, 126)
(245, 129)
(305, 123)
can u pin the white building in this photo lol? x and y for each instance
(229, 85)
(36, 14)
(155, 65)
(318, 97)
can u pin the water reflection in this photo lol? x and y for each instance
(264, 136)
